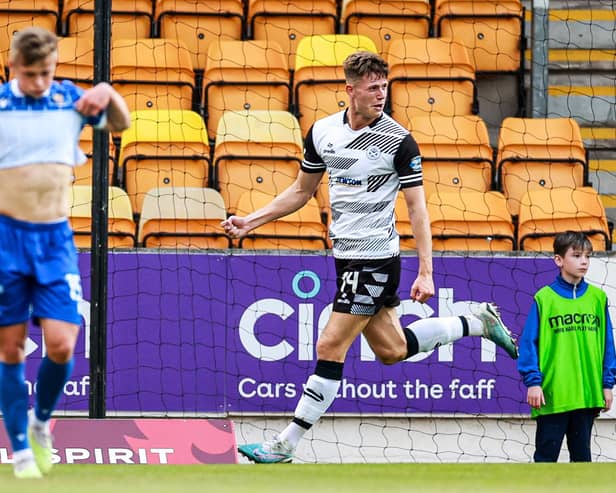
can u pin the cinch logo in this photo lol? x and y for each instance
(351, 182)
(574, 319)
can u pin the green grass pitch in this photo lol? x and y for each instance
(326, 478)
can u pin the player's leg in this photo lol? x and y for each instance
(579, 433)
(549, 436)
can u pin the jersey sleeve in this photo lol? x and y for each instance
(528, 361)
(312, 163)
(97, 121)
(407, 162)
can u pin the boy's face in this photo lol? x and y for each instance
(574, 265)
(34, 79)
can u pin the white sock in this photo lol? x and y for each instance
(23, 455)
(437, 331)
(318, 395)
(475, 326)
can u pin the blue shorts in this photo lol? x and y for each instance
(39, 276)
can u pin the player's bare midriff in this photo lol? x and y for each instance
(35, 193)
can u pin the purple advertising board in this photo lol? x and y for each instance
(235, 333)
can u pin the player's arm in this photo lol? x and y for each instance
(528, 361)
(609, 362)
(103, 101)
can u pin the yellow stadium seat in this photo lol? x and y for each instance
(256, 150)
(121, 227)
(492, 31)
(152, 73)
(318, 81)
(163, 148)
(301, 230)
(470, 221)
(403, 224)
(129, 18)
(430, 76)
(76, 61)
(244, 75)
(386, 20)
(183, 217)
(18, 14)
(456, 153)
(199, 22)
(546, 212)
(286, 22)
(535, 153)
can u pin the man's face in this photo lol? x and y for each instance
(368, 95)
(35, 79)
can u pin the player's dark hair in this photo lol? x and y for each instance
(361, 63)
(33, 44)
(571, 239)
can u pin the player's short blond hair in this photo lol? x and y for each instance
(362, 63)
(32, 44)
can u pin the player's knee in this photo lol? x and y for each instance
(13, 353)
(390, 356)
(60, 352)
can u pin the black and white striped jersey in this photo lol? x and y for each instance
(366, 169)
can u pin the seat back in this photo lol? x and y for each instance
(129, 18)
(386, 20)
(430, 76)
(76, 61)
(244, 75)
(545, 213)
(286, 22)
(182, 217)
(198, 23)
(456, 153)
(464, 220)
(319, 82)
(83, 174)
(536, 153)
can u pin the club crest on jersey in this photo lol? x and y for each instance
(415, 164)
(373, 153)
(58, 98)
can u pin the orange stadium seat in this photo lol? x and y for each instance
(83, 174)
(546, 212)
(3, 70)
(18, 14)
(535, 153)
(199, 22)
(286, 22)
(456, 153)
(301, 230)
(470, 221)
(403, 224)
(121, 227)
(183, 217)
(318, 82)
(163, 148)
(129, 18)
(256, 150)
(386, 20)
(492, 31)
(152, 73)
(76, 61)
(430, 76)
(244, 75)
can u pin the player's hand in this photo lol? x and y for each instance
(94, 100)
(535, 397)
(609, 399)
(235, 227)
(422, 289)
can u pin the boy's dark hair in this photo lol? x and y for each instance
(33, 44)
(571, 239)
(361, 63)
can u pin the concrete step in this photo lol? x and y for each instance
(590, 60)
(594, 105)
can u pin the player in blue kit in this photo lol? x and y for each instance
(40, 124)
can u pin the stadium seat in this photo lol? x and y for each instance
(76, 61)
(163, 148)
(492, 31)
(179, 217)
(83, 174)
(535, 153)
(403, 224)
(301, 230)
(386, 20)
(256, 150)
(3, 70)
(546, 212)
(121, 227)
(468, 221)
(199, 22)
(152, 73)
(244, 75)
(456, 153)
(318, 81)
(129, 18)
(18, 14)
(286, 22)
(430, 76)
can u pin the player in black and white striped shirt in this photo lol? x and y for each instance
(368, 157)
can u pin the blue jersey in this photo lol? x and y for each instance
(43, 130)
